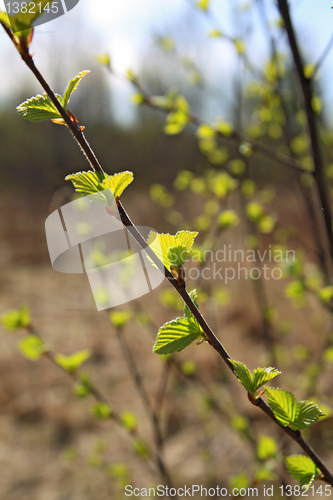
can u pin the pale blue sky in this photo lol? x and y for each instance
(125, 28)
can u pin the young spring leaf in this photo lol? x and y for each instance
(73, 85)
(39, 108)
(129, 421)
(87, 183)
(4, 19)
(15, 320)
(289, 412)
(309, 412)
(175, 335)
(83, 387)
(177, 256)
(26, 19)
(283, 404)
(32, 347)
(162, 243)
(228, 219)
(176, 122)
(303, 469)
(203, 5)
(253, 381)
(141, 448)
(73, 362)
(267, 448)
(101, 410)
(120, 318)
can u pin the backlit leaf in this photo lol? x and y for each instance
(303, 469)
(39, 108)
(283, 404)
(175, 335)
(73, 85)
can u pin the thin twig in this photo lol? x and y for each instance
(139, 384)
(323, 56)
(307, 92)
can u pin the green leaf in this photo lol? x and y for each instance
(120, 318)
(73, 85)
(253, 381)
(263, 375)
(228, 219)
(141, 448)
(283, 404)
(309, 412)
(240, 46)
(161, 244)
(225, 129)
(326, 294)
(39, 108)
(101, 410)
(175, 335)
(32, 347)
(87, 183)
(5, 19)
(27, 19)
(205, 132)
(138, 98)
(189, 368)
(129, 421)
(176, 122)
(177, 256)
(83, 387)
(243, 374)
(254, 211)
(104, 60)
(74, 361)
(215, 33)
(14, 320)
(239, 481)
(303, 469)
(203, 5)
(266, 448)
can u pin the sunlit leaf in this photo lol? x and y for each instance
(87, 183)
(120, 318)
(309, 412)
(72, 86)
(32, 347)
(129, 421)
(266, 448)
(16, 319)
(303, 469)
(252, 381)
(283, 404)
(162, 243)
(175, 335)
(101, 410)
(39, 108)
(74, 361)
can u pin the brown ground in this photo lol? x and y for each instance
(42, 423)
